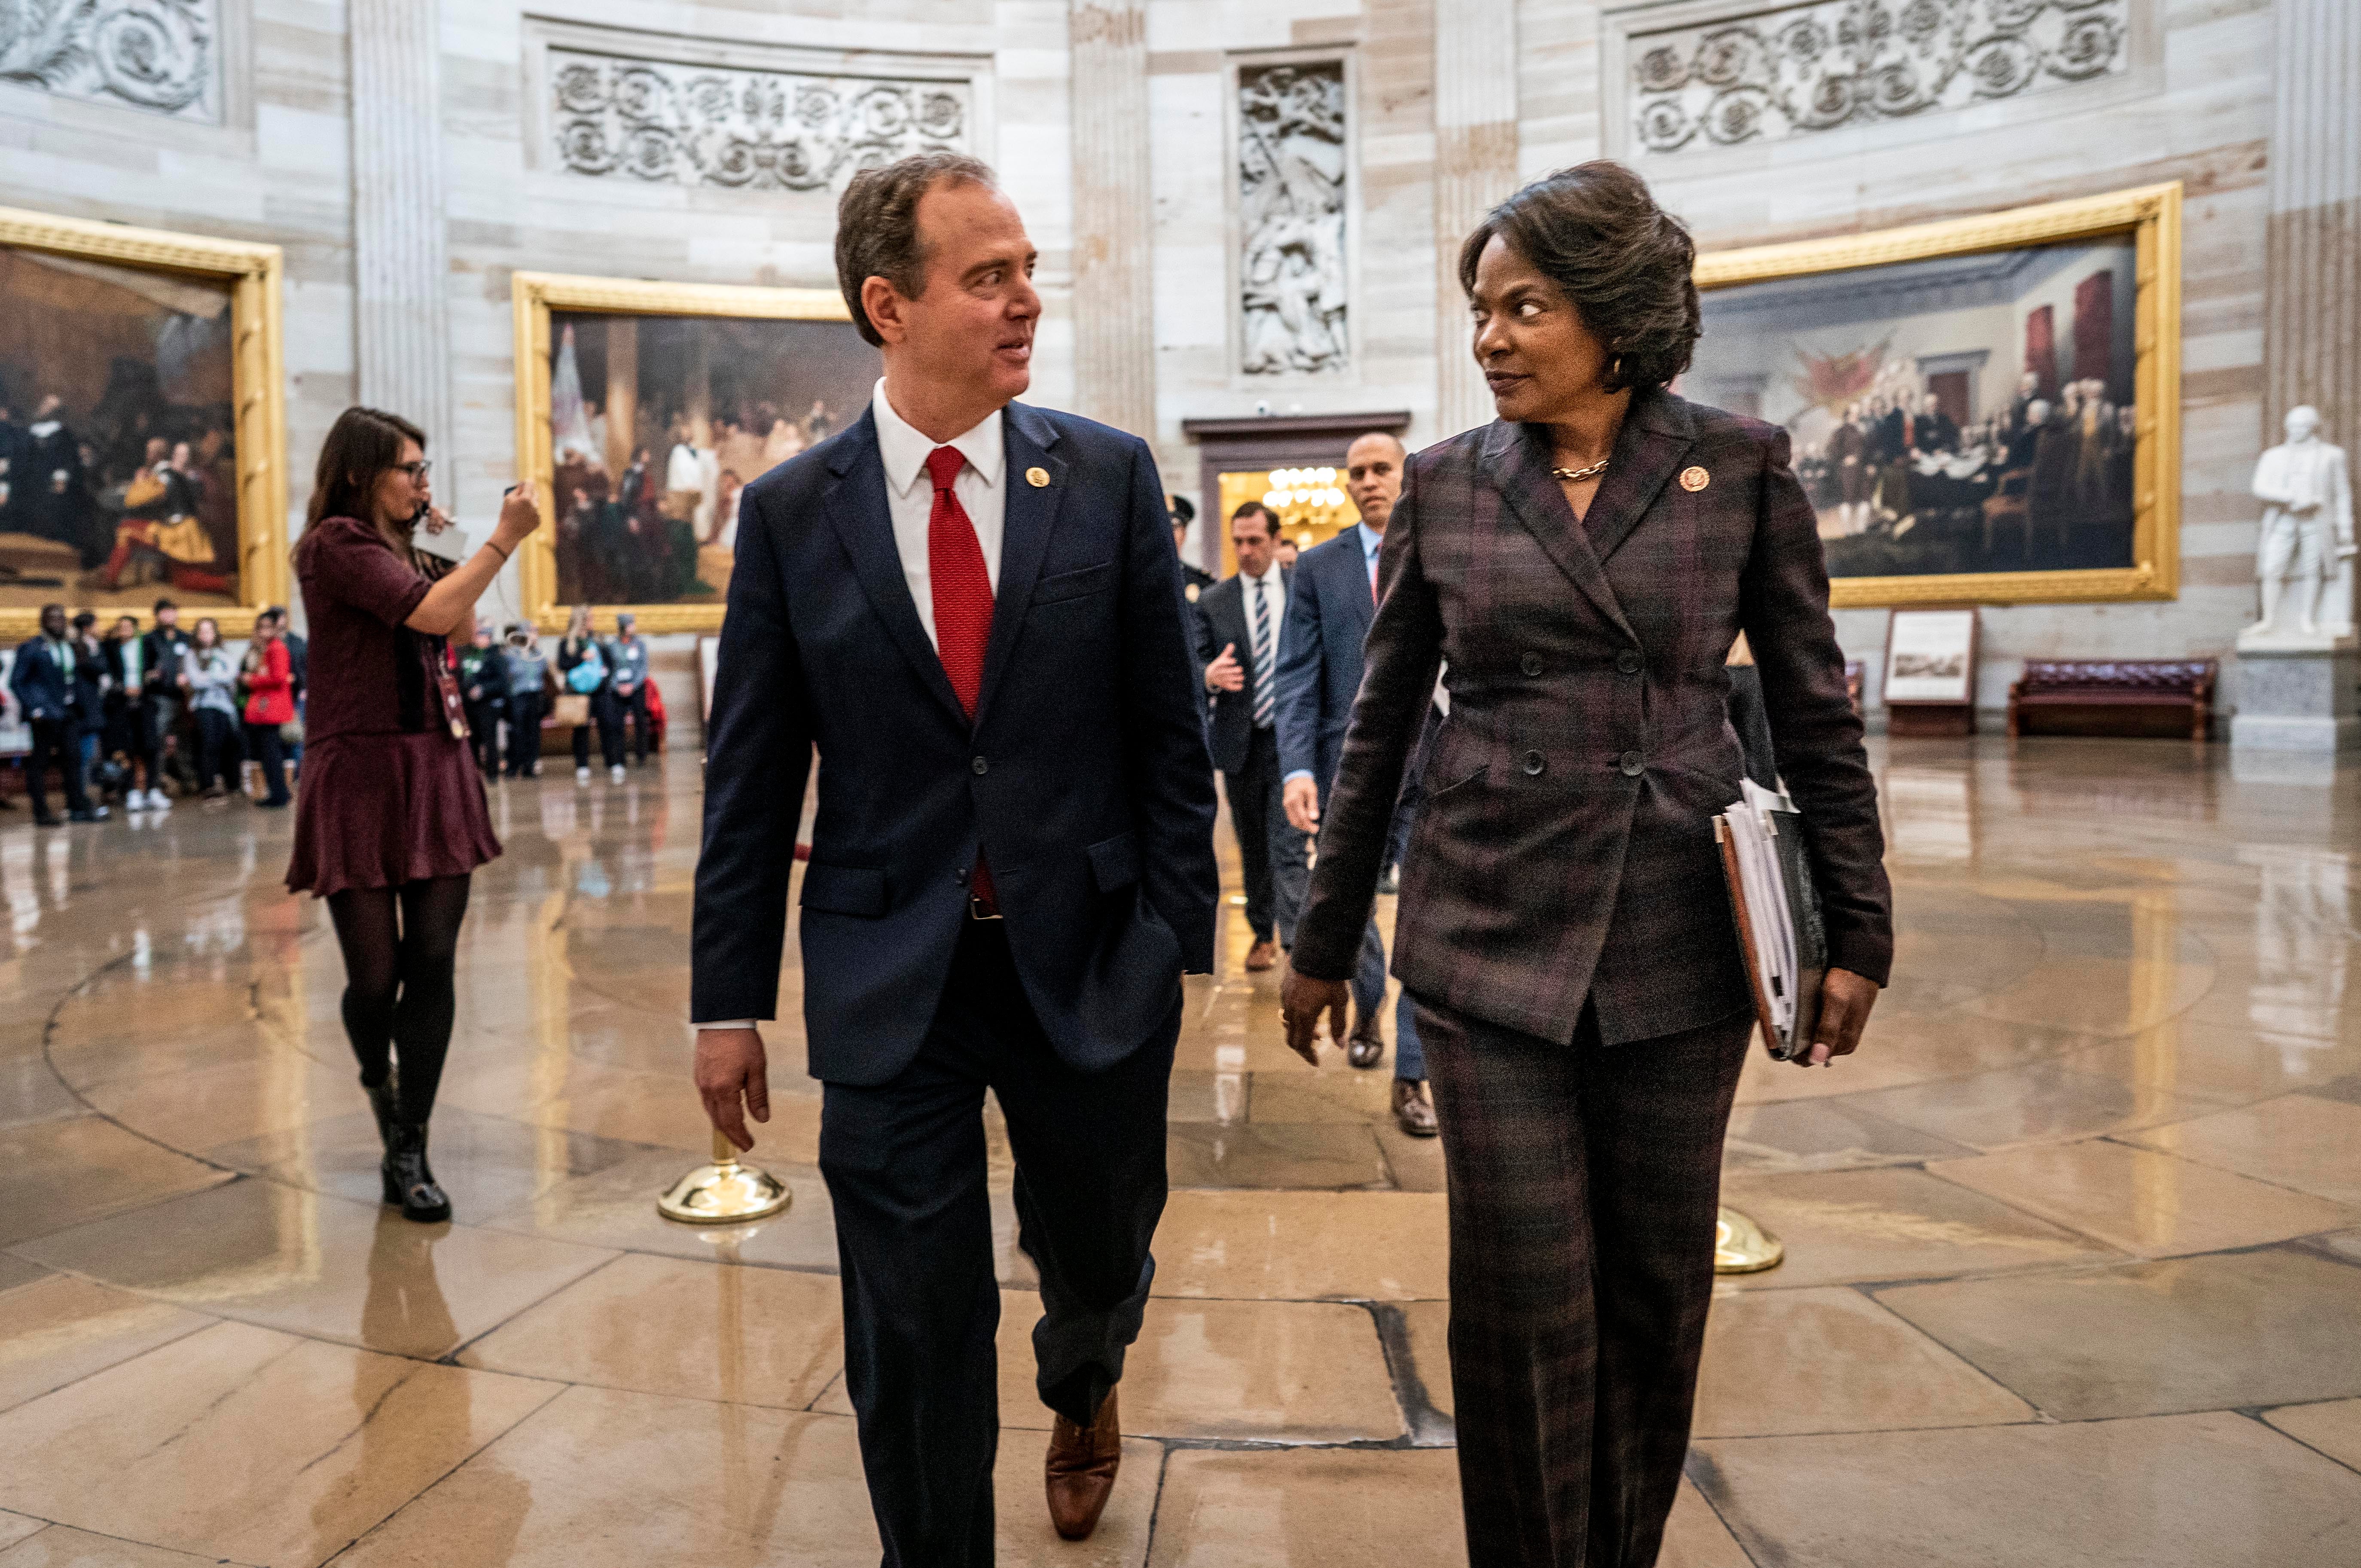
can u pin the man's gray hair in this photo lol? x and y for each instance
(877, 226)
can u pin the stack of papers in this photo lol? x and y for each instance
(1778, 914)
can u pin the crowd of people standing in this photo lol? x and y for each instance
(117, 717)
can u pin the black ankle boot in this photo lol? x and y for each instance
(408, 1181)
(385, 1104)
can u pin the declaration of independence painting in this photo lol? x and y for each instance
(1962, 415)
(1982, 410)
(658, 421)
(119, 435)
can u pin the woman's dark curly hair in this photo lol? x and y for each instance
(1595, 232)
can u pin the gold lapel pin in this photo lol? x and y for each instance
(1695, 478)
(1038, 477)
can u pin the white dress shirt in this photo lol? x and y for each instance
(910, 494)
(1272, 585)
(910, 501)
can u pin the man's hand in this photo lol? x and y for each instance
(1301, 800)
(1845, 1001)
(1225, 674)
(1301, 1001)
(731, 1065)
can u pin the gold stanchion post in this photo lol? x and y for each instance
(724, 1193)
(1742, 1246)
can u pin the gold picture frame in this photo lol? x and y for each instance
(258, 381)
(2151, 215)
(536, 295)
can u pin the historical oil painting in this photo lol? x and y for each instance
(1968, 416)
(1292, 277)
(657, 422)
(119, 435)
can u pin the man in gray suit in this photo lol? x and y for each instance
(1334, 598)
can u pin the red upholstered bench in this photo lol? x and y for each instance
(2113, 696)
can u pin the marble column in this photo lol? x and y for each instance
(1114, 308)
(2312, 312)
(402, 266)
(1475, 168)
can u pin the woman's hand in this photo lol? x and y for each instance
(1845, 1001)
(1301, 1001)
(520, 515)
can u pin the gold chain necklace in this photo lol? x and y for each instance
(1576, 476)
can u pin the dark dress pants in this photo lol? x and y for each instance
(1585, 1181)
(55, 743)
(633, 708)
(904, 1166)
(264, 744)
(1271, 851)
(525, 734)
(1369, 969)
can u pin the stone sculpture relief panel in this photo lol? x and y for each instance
(741, 128)
(1292, 167)
(1777, 73)
(159, 55)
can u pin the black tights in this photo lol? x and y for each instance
(398, 988)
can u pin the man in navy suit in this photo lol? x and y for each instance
(972, 609)
(43, 681)
(1319, 675)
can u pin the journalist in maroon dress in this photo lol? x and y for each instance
(392, 821)
(390, 795)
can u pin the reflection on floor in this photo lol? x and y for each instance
(2074, 1246)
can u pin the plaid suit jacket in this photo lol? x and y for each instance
(1565, 850)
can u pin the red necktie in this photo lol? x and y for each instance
(963, 595)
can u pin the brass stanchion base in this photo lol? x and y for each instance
(1742, 1246)
(724, 1193)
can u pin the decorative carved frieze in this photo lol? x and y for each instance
(1782, 71)
(148, 54)
(1292, 276)
(741, 128)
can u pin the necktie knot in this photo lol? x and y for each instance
(943, 465)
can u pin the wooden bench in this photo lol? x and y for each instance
(2113, 696)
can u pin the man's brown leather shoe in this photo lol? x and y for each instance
(1412, 1115)
(1081, 1470)
(1261, 956)
(1365, 1048)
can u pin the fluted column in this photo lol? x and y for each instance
(1115, 307)
(1474, 168)
(401, 325)
(2311, 309)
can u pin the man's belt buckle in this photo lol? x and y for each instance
(979, 910)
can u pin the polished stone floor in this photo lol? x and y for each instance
(2074, 1245)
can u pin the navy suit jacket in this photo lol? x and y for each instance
(1084, 777)
(1221, 621)
(1328, 615)
(42, 686)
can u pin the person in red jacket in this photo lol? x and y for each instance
(270, 702)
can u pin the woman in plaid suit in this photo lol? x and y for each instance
(1581, 566)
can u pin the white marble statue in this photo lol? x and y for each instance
(2307, 541)
(1293, 282)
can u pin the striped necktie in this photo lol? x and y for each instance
(1265, 677)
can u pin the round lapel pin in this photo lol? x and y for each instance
(1038, 477)
(1695, 478)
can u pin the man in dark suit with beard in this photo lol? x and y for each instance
(972, 609)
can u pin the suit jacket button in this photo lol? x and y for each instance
(980, 766)
(1531, 665)
(1628, 662)
(960, 876)
(1534, 764)
(1633, 764)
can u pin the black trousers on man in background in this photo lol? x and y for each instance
(1271, 851)
(1585, 1183)
(56, 744)
(904, 1166)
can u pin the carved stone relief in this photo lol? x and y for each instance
(1291, 170)
(148, 54)
(741, 128)
(1784, 71)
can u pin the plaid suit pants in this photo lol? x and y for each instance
(1584, 1183)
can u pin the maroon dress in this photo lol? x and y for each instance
(390, 795)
